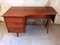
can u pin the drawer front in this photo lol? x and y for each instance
(38, 17)
(14, 20)
(16, 30)
(13, 25)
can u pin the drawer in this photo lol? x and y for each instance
(38, 17)
(13, 25)
(16, 30)
(14, 20)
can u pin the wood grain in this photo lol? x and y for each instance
(15, 24)
(25, 11)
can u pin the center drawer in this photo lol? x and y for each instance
(38, 16)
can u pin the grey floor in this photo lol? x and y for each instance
(34, 35)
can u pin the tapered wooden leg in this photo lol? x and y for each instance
(17, 34)
(48, 24)
(47, 29)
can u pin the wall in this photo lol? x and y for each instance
(56, 5)
(35, 2)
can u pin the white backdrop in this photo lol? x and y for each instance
(26, 2)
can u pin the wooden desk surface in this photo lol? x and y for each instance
(25, 11)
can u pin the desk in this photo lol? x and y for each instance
(15, 18)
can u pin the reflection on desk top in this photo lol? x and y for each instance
(25, 11)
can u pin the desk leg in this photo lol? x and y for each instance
(48, 24)
(17, 34)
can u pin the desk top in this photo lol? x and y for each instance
(25, 11)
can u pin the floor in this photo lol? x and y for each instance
(34, 35)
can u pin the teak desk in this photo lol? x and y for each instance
(15, 18)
